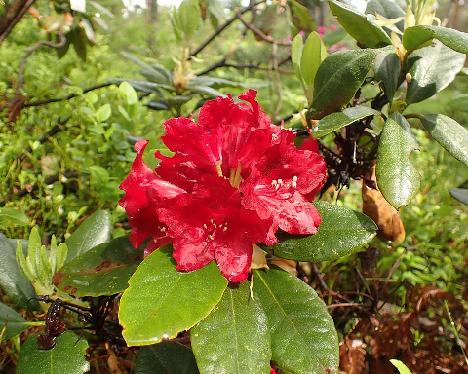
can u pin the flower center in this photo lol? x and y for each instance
(235, 177)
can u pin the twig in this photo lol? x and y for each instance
(344, 305)
(12, 15)
(44, 137)
(262, 35)
(67, 97)
(222, 27)
(30, 51)
(223, 64)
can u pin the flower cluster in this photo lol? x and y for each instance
(233, 181)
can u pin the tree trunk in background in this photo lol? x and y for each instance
(11, 16)
(453, 14)
(152, 13)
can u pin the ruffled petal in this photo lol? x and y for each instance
(185, 137)
(192, 250)
(139, 204)
(233, 258)
(279, 185)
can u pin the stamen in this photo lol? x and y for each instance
(294, 181)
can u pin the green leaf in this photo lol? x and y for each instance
(188, 17)
(127, 89)
(432, 69)
(12, 322)
(103, 270)
(452, 136)
(12, 280)
(161, 302)
(234, 338)
(341, 232)
(417, 36)
(359, 26)
(296, 54)
(313, 53)
(402, 368)
(303, 338)
(301, 17)
(338, 120)
(96, 229)
(12, 217)
(387, 68)
(397, 178)
(338, 78)
(166, 358)
(103, 113)
(68, 356)
(389, 9)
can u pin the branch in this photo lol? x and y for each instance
(12, 15)
(30, 51)
(222, 27)
(67, 97)
(262, 35)
(223, 64)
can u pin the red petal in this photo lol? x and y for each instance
(141, 210)
(234, 258)
(278, 186)
(185, 137)
(310, 144)
(192, 251)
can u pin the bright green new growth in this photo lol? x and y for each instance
(39, 265)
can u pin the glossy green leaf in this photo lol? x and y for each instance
(103, 270)
(68, 356)
(313, 53)
(303, 337)
(165, 358)
(397, 177)
(359, 26)
(417, 36)
(234, 338)
(162, 302)
(389, 9)
(12, 217)
(432, 69)
(338, 78)
(12, 280)
(341, 232)
(95, 230)
(387, 68)
(338, 120)
(452, 136)
(11, 323)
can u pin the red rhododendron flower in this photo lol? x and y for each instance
(233, 181)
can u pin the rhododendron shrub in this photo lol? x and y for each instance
(219, 222)
(234, 180)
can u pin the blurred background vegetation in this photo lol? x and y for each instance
(60, 161)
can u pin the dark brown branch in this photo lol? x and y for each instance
(222, 27)
(67, 97)
(223, 64)
(260, 34)
(12, 15)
